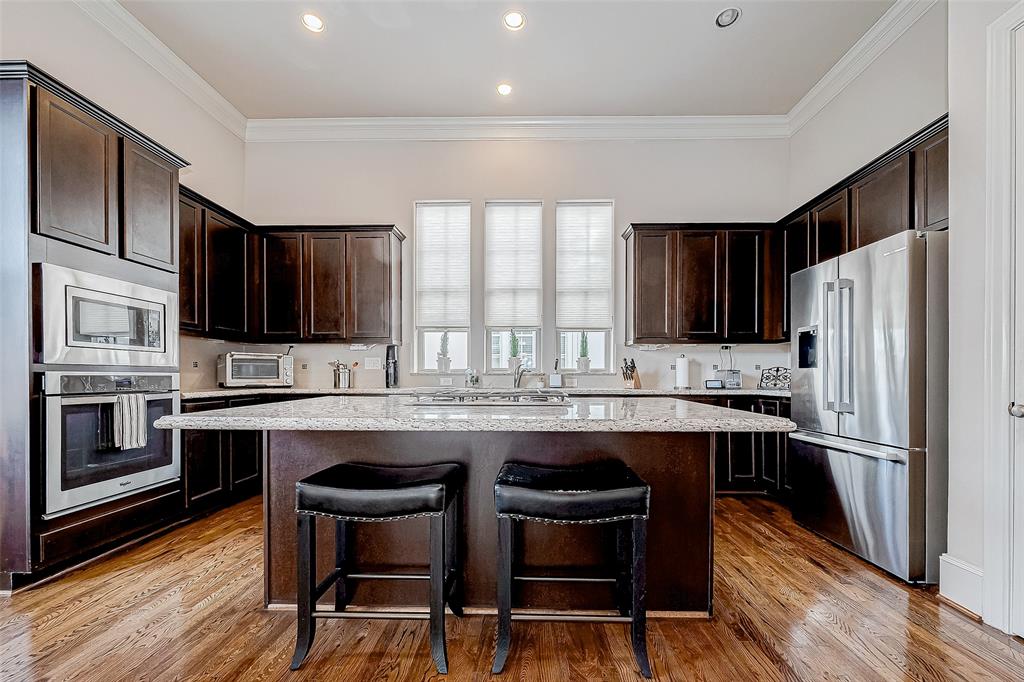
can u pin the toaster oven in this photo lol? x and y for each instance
(255, 369)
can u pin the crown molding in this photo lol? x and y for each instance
(882, 34)
(512, 128)
(126, 28)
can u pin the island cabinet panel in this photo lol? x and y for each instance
(830, 226)
(880, 203)
(77, 195)
(227, 271)
(770, 447)
(244, 456)
(744, 304)
(655, 287)
(737, 461)
(205, 466)
(368, 265)
(281, 285)
(701, 277)
(192, 269)
(150, 216)
(326, 286)
(931, 182)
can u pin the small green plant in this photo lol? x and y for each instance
(513, 344)
(444, 345)
(584, 346)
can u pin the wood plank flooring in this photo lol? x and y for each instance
(788, 606)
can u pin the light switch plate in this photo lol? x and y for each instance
(446, 381)
(358, 346)
(374, 362)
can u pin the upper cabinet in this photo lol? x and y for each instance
(693, 283)
(150, 216)
(192, 275)
(281, 303)
(77, 178)
(324, 277)
(931, 182)
(880, 203)
(830, 226)
(227, 275)
(373, 264)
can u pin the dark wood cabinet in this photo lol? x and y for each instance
(880, 203)
(149, 222)
(282, 286)
(931, 182)
(227, 272)
(76, 180)
(830, 227)
(770, 447)
(742, 297)
(244, 456)
(700, 279)
(205, 466)
(737, 461)
(369, 261)
(653, 287)
(192, 266)
(326, 283)
(798, 249)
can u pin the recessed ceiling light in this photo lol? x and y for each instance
(727, 17)
(504, 89)
(514, 20)
(313, 23)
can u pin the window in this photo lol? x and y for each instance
(513, 283)
(584, 277)
(442, 284)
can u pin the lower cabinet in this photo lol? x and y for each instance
(220, 467)
(752, 462)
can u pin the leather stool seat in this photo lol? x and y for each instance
(366, 492)
(595, 493)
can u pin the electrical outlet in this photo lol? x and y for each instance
(446, 381)
(757, 367)
(714, 367)
(374, 362)
(305, 365)
(195, 364)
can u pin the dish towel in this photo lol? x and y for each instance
(131, 427)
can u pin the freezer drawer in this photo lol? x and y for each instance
(866, 498)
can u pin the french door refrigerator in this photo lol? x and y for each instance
(868, 462)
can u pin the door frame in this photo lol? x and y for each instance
(1003, 577)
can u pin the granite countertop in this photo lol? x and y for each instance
(402, 413)
(625, 392)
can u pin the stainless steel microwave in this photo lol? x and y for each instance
(255, 369)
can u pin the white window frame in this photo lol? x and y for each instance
(421, 348)
(609, 351)
(537, 351)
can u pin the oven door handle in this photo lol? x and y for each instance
(105, 399)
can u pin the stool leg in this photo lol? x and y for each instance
(342, 594)
(437, 572)
(452, 559)
(305, 587)
(624, 558)
(504, 594)
(639, 608)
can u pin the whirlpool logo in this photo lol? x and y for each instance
(125, 483)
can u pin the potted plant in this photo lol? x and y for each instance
(584, 362)
(514, 359)
(444, 362)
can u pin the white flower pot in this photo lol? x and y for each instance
(444, 364)
(583, 364)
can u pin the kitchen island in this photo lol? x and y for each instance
(668, 442)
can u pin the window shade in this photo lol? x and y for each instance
(513, 264)
(442, 264)
(583, 265)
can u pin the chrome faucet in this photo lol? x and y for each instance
(517, 374)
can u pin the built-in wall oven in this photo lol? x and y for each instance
(83, 465)
(89, 319)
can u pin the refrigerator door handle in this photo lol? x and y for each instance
(827, 361)
(846, 337)
(879, 453)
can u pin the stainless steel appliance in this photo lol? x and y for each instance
(83, 467)
(868, 463)
(255, 369)
(89, 319)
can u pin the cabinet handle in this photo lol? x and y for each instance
(1015, 410)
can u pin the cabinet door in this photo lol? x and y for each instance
(192, 267)
(245, 456)
(654, 287)
(368, 269)
(737, 468)
(281, 287)
(799, 248)
(227, 273)
(830, 227)
(769, 448)
(700, 282)
(150, 219)
(785, 476)
(76, 175)
(931, 182)
(324, 278)
(206, 480)
(880, 203)
(743, 301)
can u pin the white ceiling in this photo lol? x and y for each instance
(444, 58)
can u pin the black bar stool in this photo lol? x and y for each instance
(365, 493)
(603, 492)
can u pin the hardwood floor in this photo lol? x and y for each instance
(788, 606)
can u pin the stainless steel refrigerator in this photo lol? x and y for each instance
(868, 463)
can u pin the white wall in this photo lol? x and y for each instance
(962, 569)
(691, 180)
(903, 90)
(59, 38)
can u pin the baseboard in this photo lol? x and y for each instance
(961, 583)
